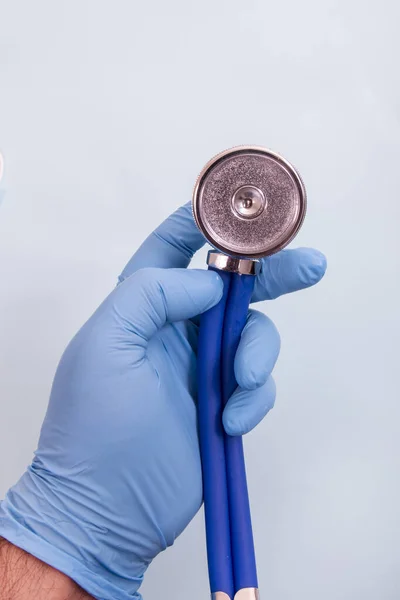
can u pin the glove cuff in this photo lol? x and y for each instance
(28, 520)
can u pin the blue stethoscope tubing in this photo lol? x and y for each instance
(230, 546)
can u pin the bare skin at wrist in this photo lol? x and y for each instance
(23, 577)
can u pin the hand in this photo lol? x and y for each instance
(117, 473)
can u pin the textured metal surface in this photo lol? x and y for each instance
(233, 264)
(270, 229)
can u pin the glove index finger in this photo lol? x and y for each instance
(171, 245)
(288, 271)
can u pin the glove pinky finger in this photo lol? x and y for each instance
(246, 408)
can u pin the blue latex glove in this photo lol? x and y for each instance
(117, 473)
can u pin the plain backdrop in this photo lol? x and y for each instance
(108, 111)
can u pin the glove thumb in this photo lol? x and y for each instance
(151, 297)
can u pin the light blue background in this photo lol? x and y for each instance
(108, 111)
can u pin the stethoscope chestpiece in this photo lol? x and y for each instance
(249, 202)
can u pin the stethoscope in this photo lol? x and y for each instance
(248, 202)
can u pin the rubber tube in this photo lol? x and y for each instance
(243, 555)
(212, 447)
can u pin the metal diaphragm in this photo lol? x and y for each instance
(249, 202)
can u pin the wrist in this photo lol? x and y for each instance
(22, 577)
(42, 517)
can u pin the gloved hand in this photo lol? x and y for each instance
(117, 474)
